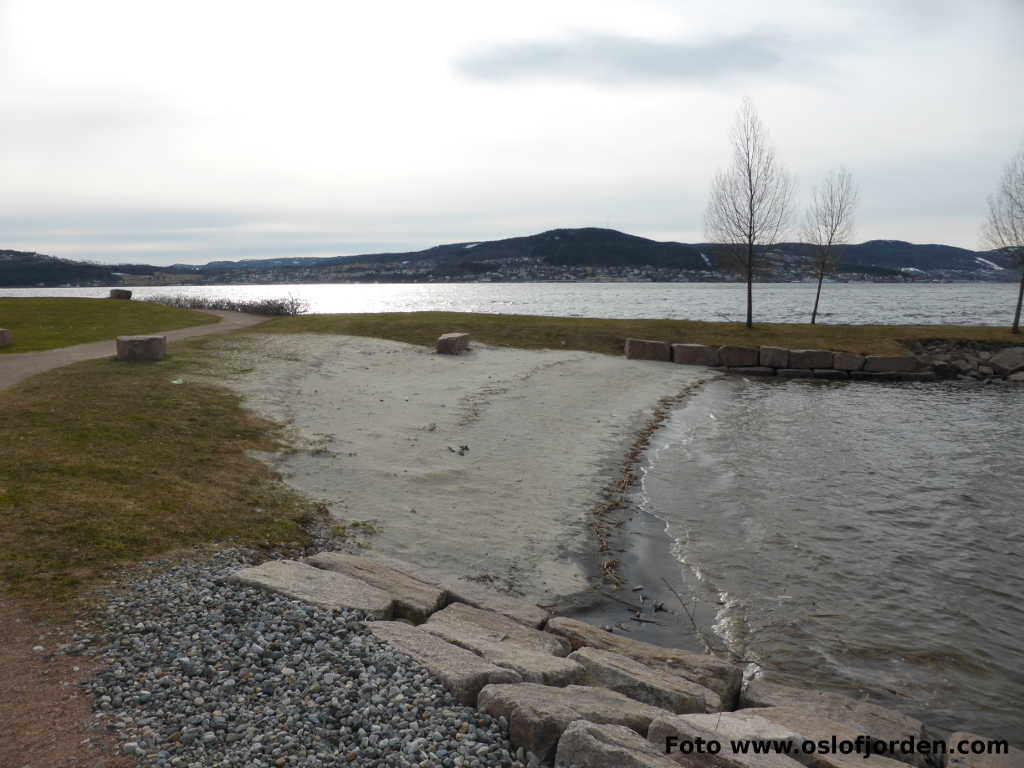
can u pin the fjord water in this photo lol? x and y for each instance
(857, 537)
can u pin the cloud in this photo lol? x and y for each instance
(612, 60)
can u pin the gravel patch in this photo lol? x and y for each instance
(201, 672)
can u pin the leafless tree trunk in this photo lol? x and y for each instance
(828, 224)
(1004, 228)
(749, 204)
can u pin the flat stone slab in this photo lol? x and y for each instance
(795, 373)
(751, 370)
(674, 732)
(885, 363)
(776, 357)
(325, 589)
(830, 373)
(452, 343)
(538, 714)
(893, 376)
(809, 726)
(863, 716)
(810, 358)
(539, 657)
(731, 356)
(631, 678)
(414, 599)
(1012, 759)
(6, 337)
(589, 745)
(1007, 361)
(847, 361)
(720, 676)
(694, 354)
(646, 349)
(141, 347)
(463, 672)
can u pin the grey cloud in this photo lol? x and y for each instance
(628, 60)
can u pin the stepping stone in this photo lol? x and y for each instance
(461, 671)
(589, 745)
(452, 343)
(414, 599)
(646, 349)
(630, 678)
(1014, 758)
(676, 735)
(324, 589)
(538, 714)
(720, 676)
(141, 347)
(863, 716)
(537, 656)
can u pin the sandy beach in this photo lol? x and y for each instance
(485, 465)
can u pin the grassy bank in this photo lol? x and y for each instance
(607, 336)
(38, 324)
(107, 463)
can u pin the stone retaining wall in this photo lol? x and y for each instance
(935, 362)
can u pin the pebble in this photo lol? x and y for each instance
(202, 672)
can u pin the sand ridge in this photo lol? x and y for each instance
(484, 465)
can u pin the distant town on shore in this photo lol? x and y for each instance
(585, 254)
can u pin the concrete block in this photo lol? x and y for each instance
(694, 354)
(888, 363)
(751, 370)
(847, 361)
(795, 373)
(141, 347)
(646, 349)
(810, 358)
(830, 373)
(738, 356)
(776, 357)
(452, 343)
(120, 293)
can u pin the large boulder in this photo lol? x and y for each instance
(646, 349)
(325, 589)
(1007, 361)
(863, 716)
(776, 357)
(694, 354)
(720, 676)
(732, 356)
(463, 672)
(589, 745)
(810, 358)
(120, 293)
(963, 740)
(631, 678)
(452, 343)
(414, 599)
(537, 715)
(847, 361)
(706, 740)
(890, 363)
(141, 347)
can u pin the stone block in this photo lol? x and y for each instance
(325, 589)
(120, 293)
(1007, 362)
(751, 370)
(141, 347)
(646, 349)
(888, 363)
(589, 745)
(694, 354)
(795, 373)
(414, 599)
(861, 715)
(810, 358)
(537, 715)
(452, 343)
(1014, 758)
(6, 337)
(830, 373)
(631, 678)
(776, 357)
(847, 361)
(738, 356)
(720, 676)
(672, 732)
(463, 672)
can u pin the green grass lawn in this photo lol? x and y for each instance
(38, 324)
(105, 463)
(608, 336)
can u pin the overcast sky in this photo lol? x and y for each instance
(185, 131)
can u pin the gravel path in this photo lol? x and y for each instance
(203, 672)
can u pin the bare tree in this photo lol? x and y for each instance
(749, 204)
(828, 224)
(1004, 228)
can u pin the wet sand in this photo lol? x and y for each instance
(485, 465)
